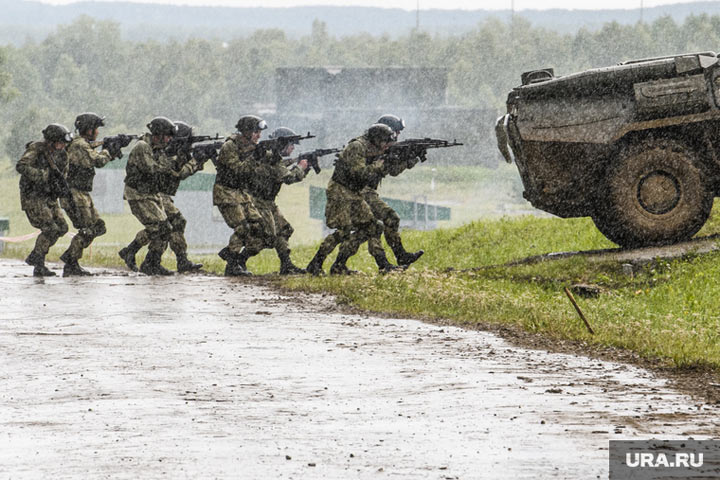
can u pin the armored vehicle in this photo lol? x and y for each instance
(634, 146)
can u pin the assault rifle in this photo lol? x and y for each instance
(114, 144)
(184, 144)
(206, 151)
(276, 145)
(312, 157)
(417, 147)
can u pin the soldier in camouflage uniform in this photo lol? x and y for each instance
(231, 196)
(182, 166)
(147, 165)
(269, 174)
(382, 211)
(42, 169)
(83, 159)
(360, 164)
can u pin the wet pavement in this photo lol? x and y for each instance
(127, 376)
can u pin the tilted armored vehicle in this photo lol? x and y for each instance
(634, 146)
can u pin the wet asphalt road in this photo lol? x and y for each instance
(127, 376)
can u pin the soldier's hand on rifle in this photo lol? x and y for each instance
(304, 164)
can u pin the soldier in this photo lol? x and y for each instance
(381, 210)
(182, 166)
(268, 175)
(42, 169)
(230, 193)
(83, 159)
(359, 165)
(148, 163)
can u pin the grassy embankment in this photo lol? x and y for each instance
(667, 310)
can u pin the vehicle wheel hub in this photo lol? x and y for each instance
(658, 192)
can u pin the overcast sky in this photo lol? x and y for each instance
(424, 4)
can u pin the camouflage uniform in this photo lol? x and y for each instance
(38, 199)
(347, 211)
(147, 165)
(83, 159)
(184, 166)
(264, 183)
(383, 212)
(231, 197)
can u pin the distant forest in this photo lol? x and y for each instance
(88, 65)
(23, 19)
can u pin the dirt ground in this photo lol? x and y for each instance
(126, 376)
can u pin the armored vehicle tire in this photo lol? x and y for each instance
(654, 194)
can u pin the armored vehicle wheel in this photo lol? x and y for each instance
(655, 194)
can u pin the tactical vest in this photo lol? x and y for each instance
(30, 188)
(227, 177)
(143, 182)
(344, 176)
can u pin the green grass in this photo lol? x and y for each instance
(667, 310)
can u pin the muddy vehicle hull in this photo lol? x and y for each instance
(632, 146)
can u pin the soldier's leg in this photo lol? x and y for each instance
(151, 214)
(234, 216)
(45, 215)
(178, 244)
(283, 231)
(375, 248)
(128, 253)
(391, 229)
(349, 247)
(328, 244)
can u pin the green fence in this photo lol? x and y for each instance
(407, 210)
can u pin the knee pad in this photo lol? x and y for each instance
(178, 223)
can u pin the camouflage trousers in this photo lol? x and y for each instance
(390, 219)
(149, 211)
(274, 231)
(86, 219)
(352, 218)
(44, 214)
(239, 212)
(177, 221)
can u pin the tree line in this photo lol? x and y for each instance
(88, 65)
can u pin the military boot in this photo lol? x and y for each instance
(315, 267)
(151, 264)
(404, 257)
(38, 261)
(72, 267)
(128, 255)
(289, 268)
(233, 267)
(185, 265)
(339, 268)
(384, 265)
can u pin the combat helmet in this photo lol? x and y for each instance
(57, 133)
(183, 129)
(281, 132)
(379, 133)
(396, 123)
(88, 121)
(162, 126)
(250, 123)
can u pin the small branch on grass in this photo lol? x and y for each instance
(577, 309)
